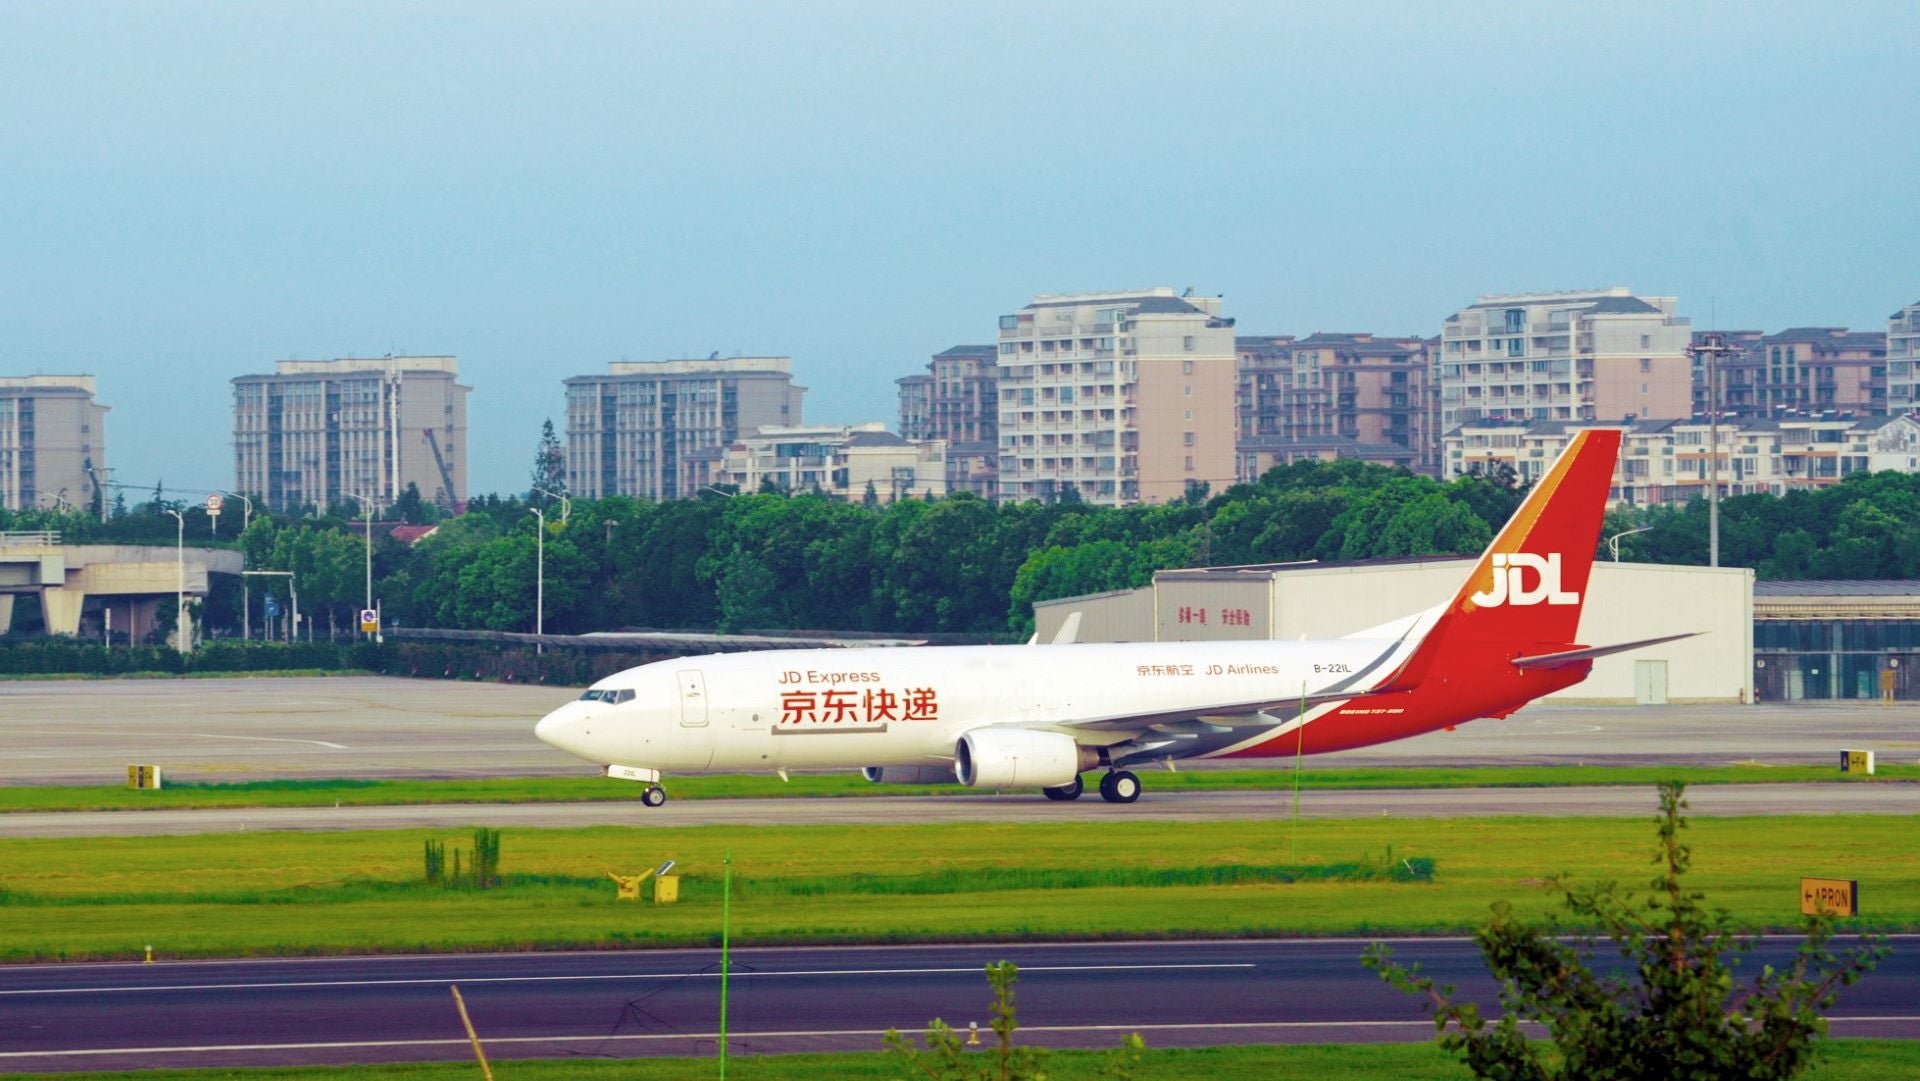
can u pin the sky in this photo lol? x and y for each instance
(190, 191)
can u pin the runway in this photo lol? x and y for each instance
(395, 1009)
(1623, 801)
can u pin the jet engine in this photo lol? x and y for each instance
(908, 774)
(1020, 756)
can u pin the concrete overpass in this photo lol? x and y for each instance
(130, 581)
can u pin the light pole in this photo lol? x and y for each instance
(1713, 345)
(540, 573)
(369, 505)
(182, 640)
(1613, 542)
(246, 595)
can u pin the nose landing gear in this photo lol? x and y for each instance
(654, 796)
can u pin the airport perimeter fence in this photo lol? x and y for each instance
(490, 662)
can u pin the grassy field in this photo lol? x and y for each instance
(294, 893)
(321, 793)
(1840, 1060)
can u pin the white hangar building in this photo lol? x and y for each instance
(1625, 602)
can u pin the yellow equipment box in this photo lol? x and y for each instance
(666, 889)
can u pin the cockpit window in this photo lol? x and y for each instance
(607, 695)
(622, 696)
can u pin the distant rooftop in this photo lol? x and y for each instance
(729, 365)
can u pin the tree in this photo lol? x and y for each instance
(945, 1056)
(1679, 1014)
(549, 465)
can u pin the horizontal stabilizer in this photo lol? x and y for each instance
(1577, 656)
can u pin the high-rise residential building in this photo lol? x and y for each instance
(844, 461)
(1592, 354)
(1332, 396)
(53, 442)
(1903, 360)
(1120, 398)
(955, 400)
(629, 430)
(1805, 369)
(325, 432)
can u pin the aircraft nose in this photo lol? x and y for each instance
(566, 728)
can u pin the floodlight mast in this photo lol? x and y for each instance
(1712, 345)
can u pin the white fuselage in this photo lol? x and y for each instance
(849, 708)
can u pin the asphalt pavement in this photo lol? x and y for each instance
(1616, 801)
(625, 1004)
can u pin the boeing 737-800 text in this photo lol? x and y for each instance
(1043, 716)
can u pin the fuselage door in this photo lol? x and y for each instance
(693, 698)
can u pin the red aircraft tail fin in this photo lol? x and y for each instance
(1528, 586)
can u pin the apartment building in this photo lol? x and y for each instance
(1330, 396)
(630, 430)
(838, 461)
(53, 442)
(1671, 461)
(322, 432)
(916, 405)
(1903, 360)
(1804, 368)
(1584, 355)
(956, 400)
(1120, 398)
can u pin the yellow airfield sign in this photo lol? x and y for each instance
(1829, 896)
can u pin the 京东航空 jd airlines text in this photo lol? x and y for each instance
(1045, 715)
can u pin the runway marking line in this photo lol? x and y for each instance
(270, 739)
(596, 977)
(345, 1045)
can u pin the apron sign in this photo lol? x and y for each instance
(1829, 896)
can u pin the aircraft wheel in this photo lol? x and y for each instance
(654, 796)
(1119, 786)
(1065, 791)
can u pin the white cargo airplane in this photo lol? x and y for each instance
(1042, 716)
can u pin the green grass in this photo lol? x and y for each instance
(315, 893)
(1840, 1060)
(361, 793)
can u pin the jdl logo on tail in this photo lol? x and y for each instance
(1509, 581)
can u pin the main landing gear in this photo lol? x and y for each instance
(1116, 786)
(1119, 786)
(654, 796)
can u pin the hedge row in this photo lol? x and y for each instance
(427, 660)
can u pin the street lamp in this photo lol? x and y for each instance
(182, 641)
(566, 505)
(716, 489)
(540, 580)
(246, 596)
(1613, 542)
(369, 505)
